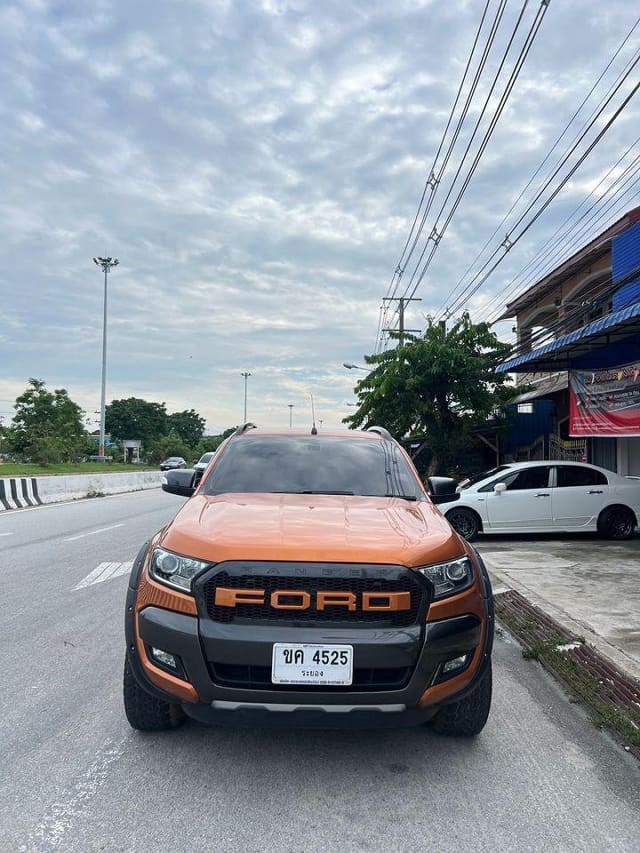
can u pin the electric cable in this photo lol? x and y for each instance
(524, 51)
(471, 290)
(541, 165)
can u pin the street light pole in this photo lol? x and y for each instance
(246, 376)
(107, 265)
(290, 414)
(350, 366)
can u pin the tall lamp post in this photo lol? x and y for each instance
(350, 366)
(246, 376)
(290, 414)
(107, 265)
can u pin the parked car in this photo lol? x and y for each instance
(173, 462)
(201, 466)
(308, 580)
(543, 497)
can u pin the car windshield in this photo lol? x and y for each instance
(204, 459)
(313, 465)
(471, 481)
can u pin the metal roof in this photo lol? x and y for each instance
(558, 354)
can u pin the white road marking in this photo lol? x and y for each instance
(104, 572)
(93, 532)
(62, 814)
(6, 534)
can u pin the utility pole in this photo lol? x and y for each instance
(246, 376)
(290, 414)
(107, 265)
(402, 302)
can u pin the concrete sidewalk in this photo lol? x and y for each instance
(589, 585)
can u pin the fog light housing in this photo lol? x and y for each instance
(164, 658)
(455, 664)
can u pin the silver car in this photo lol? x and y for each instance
(201, 466)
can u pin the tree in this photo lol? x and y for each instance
(169, 445)
(188, 424)
(208, 443)
(48, 426)
(135, 418)
(441, 386)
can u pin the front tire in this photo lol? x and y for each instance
(617, 522)
(144, 712)
(467, 717)
(465, 522)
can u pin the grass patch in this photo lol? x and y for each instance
(16, 469)
(595, 692)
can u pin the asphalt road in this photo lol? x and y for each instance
(75, 777)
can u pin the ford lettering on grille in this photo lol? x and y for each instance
(296, 599)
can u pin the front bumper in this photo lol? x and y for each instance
(224, 669)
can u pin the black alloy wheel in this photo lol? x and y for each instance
(465, 522)
(617, 523)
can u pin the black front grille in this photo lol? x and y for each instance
(259, 678)
(397, 580)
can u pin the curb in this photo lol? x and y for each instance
(611, 693)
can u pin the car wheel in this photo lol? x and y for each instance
(467, 717)
(145, 712)
(465, 522)
(617, 522)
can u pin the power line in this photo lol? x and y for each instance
(479, 279)
(541, 165)
(437, 233)
(557, 245)
(433, 180)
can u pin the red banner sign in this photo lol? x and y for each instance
(605, 401)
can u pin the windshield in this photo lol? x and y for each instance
(313, 465)
(471, 481)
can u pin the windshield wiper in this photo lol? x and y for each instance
(314, 492)
(402, 497)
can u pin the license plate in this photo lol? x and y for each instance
(308, 663)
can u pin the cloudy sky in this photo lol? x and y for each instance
(256, 167)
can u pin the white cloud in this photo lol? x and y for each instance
(256, 168)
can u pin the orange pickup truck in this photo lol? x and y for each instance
(309, 580)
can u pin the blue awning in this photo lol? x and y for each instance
(559, 354)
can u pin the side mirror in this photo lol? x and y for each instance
(442, 489)
(499, 488)
(179, 481)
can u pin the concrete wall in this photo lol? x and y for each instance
(18, 492)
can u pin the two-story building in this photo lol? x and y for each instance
(578, 350)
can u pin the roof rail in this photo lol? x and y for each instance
(381, 431)
(244, 427)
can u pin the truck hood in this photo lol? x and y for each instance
(311, 528)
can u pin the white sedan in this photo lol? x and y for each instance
(545, 497)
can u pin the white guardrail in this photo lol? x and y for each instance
(18, 492)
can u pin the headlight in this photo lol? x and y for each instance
(174, 569)
(449, 578)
